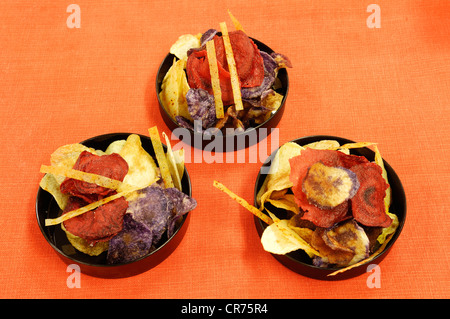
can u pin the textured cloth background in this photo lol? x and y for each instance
(389, 85)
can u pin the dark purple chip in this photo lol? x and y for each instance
(153, 208)
(182, 204)
(201, 107)
(208, 35)
(133, 242)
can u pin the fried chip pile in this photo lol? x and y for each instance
(111, 201)
(221, 80)
(333, 200)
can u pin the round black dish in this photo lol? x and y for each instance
(46, 207)
(299, 261)
(230, 142)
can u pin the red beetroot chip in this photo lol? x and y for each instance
(100, 224)
(249, 65)
(299, 169)
(112, 166)
(368, 203)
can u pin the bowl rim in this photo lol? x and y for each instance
(42, 228)
(401, 197)
(262, 46)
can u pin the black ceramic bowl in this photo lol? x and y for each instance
(46, 207)
(229, 142)
(298, 261)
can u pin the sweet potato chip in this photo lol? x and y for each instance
(368, 259)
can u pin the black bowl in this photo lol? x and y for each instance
(46, 207)
(298, 261)
(233, 142)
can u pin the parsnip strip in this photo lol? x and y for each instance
(82, 176)
(237, 24)
(161, 157)
(255, 211)
(232, 68)
(215, 82)
(84, 209)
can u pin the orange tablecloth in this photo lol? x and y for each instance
(390, 85)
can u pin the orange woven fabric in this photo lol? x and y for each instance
(389, 85)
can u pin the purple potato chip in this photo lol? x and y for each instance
(208, 35)
(153, 208)
(201, 107)
(133, 242)
(281, 60)
(182, 204)
(155, 211)
(184, 122)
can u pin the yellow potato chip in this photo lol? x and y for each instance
(50, 184)
(83, 245)
(173, 90)
(324, 145)
(355, 145)
(272, 101)
(287, 203)
(274, 241)
(63, 156)
(286, 232)
(115, 147)
(183, 44)
(142, 169)
(278, 177)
